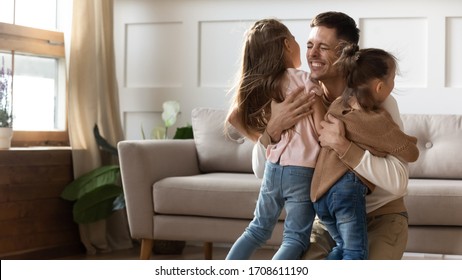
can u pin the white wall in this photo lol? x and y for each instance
(188, 50)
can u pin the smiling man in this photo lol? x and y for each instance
(386, 212)
(322, 51)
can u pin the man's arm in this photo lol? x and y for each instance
(284, 115)
(388, 173)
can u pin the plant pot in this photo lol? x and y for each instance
(6, 133)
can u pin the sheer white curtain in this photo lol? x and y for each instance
(93, 91)
(93, 99)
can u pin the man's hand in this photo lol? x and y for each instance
(286, 114)
(333, 135)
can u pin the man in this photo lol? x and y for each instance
(386, 212)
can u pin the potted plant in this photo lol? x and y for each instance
(6, 116)
(98, 193)
(169, 116)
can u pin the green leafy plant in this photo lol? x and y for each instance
(185, 132)
(98, 193)
(6, 116)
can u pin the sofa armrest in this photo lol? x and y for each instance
(144, 162)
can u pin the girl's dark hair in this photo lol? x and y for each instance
(360, 66)
(261, 73)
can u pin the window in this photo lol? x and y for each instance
(33, 48)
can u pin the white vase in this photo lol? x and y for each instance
(6, 133)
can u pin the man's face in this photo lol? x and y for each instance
(321, 53)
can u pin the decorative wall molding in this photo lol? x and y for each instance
(189, 50)
(153, 54)
(454, 52)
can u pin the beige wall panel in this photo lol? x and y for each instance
(409, 45)
(219, 51)
(135, 122)
(153, 54)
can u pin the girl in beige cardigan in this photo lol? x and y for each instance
(339, 193)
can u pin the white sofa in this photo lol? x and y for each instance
(434, 199)
(204, 189)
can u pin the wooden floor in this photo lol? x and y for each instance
(195, 251)
(190, 252)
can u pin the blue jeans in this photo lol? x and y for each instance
(282, 186)
(343, 211)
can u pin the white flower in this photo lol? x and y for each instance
(171, 110)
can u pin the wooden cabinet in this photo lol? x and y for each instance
(35, 223)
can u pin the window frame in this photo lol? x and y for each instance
(18, 39)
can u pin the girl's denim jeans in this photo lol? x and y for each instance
(282, 187)
(343, 211)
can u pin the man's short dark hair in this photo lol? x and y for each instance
(344, 25)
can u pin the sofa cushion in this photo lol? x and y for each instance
(216, 151)
(434, 202)
(439, 139)
(225, 195)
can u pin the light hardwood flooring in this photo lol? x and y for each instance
(190, 252)
(196, 252)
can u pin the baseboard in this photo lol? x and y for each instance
(426, 256)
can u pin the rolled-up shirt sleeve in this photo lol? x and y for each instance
(388, 172)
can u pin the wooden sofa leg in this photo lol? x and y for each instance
(208, 250)
(146, 249)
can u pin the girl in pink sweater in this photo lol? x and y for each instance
(270, 58)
